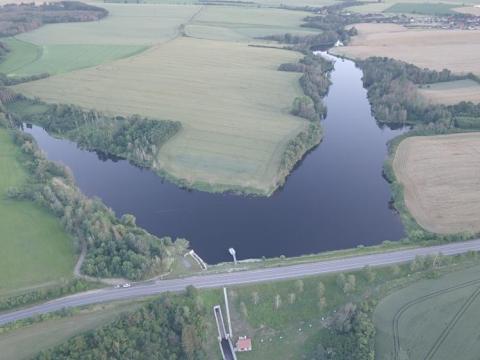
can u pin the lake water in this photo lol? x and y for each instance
(336, 197)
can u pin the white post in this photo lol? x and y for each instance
(234, 254)
(228, 313)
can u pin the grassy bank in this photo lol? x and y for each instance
(35, 248)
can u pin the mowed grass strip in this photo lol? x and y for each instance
(232, 101)
(455, 50)
(433, 317)
(452, 92)
(440, 176)
(35, 249)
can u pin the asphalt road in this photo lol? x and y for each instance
(237, 278)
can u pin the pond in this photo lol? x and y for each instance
(336, 198)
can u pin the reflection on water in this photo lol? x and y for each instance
(337, 198)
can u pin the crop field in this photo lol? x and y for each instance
(440, 179)
(422, 8)
(233, 103)
(21, 54)
(256, 3)
(455, 50)
(128, 30)
(452, 92)
(409, 5)
(35, 249)
(245, 23)
(26, 342)
(431, 319)
(57, 59)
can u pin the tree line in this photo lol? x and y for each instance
(392, 91)
(172, 327)
(135, 138)
(33, 296)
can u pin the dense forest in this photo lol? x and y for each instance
(135, 138)
(392, 91)
(19, 18)
(115, 247)
(170, 328)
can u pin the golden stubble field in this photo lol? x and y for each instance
(232, 101)
(456, 50)
(441, 179)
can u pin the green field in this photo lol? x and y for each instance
(422, 8)
(432, 319)
(35, 249)
(452, 92)
(27, 341)
(232, 101)
(60, 48)
(27, 59)
(21, 54)
(245, 23)
(126, 24)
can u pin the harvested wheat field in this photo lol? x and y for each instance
(456, 50)
(441, 179)
(232, 101)
(452, 92)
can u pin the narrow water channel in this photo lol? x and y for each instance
(335, 199)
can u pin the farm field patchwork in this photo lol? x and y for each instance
(431, 319)
(35, 249)
(440, 179)
(232, 101)
(128, 30)
(452, 92)
(455, 50)
(256, 3)
(245, 23)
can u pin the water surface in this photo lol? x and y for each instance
(336, 198)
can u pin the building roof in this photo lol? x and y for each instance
(244, 343)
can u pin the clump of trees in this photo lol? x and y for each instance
(171, 327)
(315, 82)
(116, 247)
(352, 334)
(135, 138)
(392, 91)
